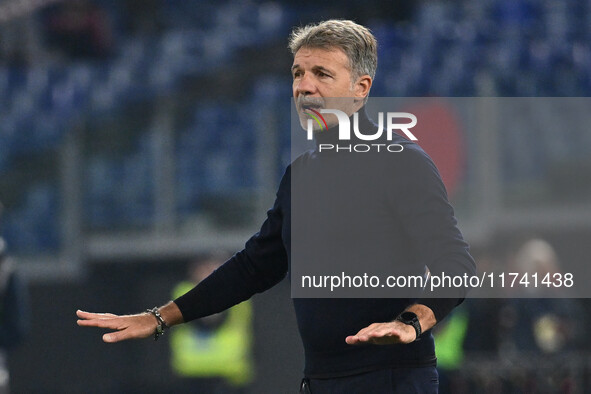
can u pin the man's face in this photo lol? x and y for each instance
(319, 75)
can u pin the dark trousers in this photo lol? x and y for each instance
(424, 380)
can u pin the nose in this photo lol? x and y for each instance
(305, 85)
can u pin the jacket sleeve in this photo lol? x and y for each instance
(259, 266)
(420, 200)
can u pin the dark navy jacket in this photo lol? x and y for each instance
(409, 214)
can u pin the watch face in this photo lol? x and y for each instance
(408, 316)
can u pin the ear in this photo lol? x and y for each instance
(362, 86)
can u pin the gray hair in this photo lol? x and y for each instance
(355, 40)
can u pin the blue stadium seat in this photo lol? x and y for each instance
(33, 227)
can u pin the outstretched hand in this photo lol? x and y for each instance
(383, 334)
(141, 325)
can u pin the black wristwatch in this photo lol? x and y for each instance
(411, 319)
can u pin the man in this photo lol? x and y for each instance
(351, 345)
(14, 313)
(213, 354)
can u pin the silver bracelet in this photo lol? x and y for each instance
(161, 323)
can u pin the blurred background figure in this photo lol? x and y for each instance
(79, 29)
(213, 354)
(14, 312)
(470, 333)
(541, 326)
(548, 326)
(449, 345)
(514, 345)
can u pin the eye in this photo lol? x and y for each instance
(297, 74)
(322, 74)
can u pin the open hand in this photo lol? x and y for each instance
(141, 325)
(383, 334)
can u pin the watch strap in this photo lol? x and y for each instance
(411, 319)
